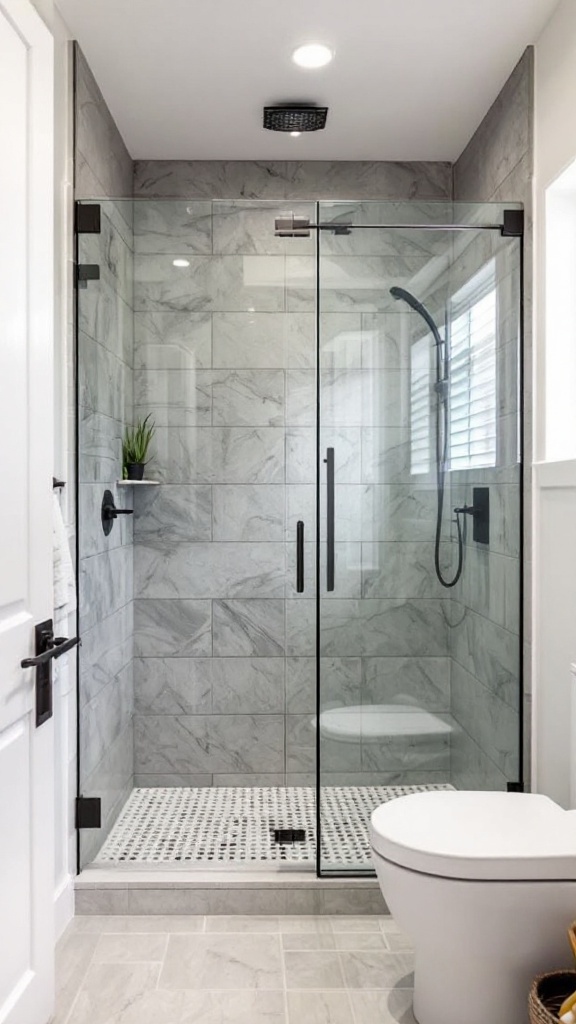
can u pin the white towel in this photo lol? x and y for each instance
(64, 582)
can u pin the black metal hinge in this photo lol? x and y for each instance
(88, 812)
(87, 272)
(88, 221)
(512, 224)
(515, 787)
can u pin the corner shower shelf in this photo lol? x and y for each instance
(138, 483)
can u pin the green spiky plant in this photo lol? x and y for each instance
(136, 445)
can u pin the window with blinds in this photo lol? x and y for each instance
(420, 410)
(473, 329)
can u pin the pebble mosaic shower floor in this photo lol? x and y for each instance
(236, 825)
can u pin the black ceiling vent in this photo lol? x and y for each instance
(295, 117)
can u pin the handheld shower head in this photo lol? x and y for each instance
(418, 307)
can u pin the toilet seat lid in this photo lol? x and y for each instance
(477, 836)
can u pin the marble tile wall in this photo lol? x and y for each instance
(225, 361)
(497, 166)
(103, 168)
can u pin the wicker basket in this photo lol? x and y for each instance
(547, 994)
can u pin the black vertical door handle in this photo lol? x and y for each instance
(299, 557)
(329, 519)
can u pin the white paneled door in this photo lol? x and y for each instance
(26, 455)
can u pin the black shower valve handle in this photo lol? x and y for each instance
(466, 510)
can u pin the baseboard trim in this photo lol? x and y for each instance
(63, 905)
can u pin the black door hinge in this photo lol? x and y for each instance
(87, 272)
(88, 221)
(515, 787)
(512, 224)
(88, 812)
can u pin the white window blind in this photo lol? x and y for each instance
(472, 373)
(420, 411)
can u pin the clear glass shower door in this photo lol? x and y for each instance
(419, 674)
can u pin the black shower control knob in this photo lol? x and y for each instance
(109, 512)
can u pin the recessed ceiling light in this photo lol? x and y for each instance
(312, 55)
(181, 263)
(295, 135)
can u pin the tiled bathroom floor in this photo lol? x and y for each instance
(234, 970)
(234, 824)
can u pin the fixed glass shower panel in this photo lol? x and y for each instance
(419, 332)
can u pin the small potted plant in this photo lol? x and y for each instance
(135, 448)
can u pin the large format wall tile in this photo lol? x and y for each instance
(248, 512)
(98, 140)
(178, 228)
(292, 179)
(248, 398)
(172, 341)
(255, 340)
(166, 569)
(249, 628)
(174, 398)
(227, 455)
(184, 511)
(384, 627)
(223, 283)
(488, 652)
(205, 743)
(176, 628)
(173, 686)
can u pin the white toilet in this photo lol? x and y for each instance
(485, 886)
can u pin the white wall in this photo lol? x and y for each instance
(554, 615)
(65, 674)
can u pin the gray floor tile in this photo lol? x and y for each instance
(326, 1007)
(316, 970)
(368, 969)
(222, 962)
(110, 994)
(240, 923)
(126, 948)
(384, 1007)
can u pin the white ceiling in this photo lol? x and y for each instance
(411, 79)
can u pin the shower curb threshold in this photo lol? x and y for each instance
(121, 891)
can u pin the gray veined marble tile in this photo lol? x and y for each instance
(371, 970)
(213, 743)
(105, 584)
(106, 650)
(176, 628)
(173, 686)
(398, 512)
(492, 724)
(301, 628)
(417, 179)
(488, 652)
(340, 341)
(390, 240)
(172, 341)
(383, 628)
(248, 455)
(248, 686)
(255, 340)
(301, 398)
(99, 447)
(300, 455)
(98, 138)
(325, 179)
(210, 283)
(167, 570)
(174, 398)
(181, 511)
(102, 379)
(300, 685)
(111, 249)
(346, 442)
(92, 539)
(252, 628)
(112, 991)
(424, 682)
(248, 398)
(211, 179)
(385, 455)
(248, 227)
(386, 339)
(105, 717)
(362, 283)
(404, 569)
(300, 284)
(348, 569)
(313, 970)
(105, 316)
(248, 512)
(178, 227)
(391, 1006)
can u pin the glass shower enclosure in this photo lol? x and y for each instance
(313, 603)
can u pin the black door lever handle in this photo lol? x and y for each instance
(59, 645)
